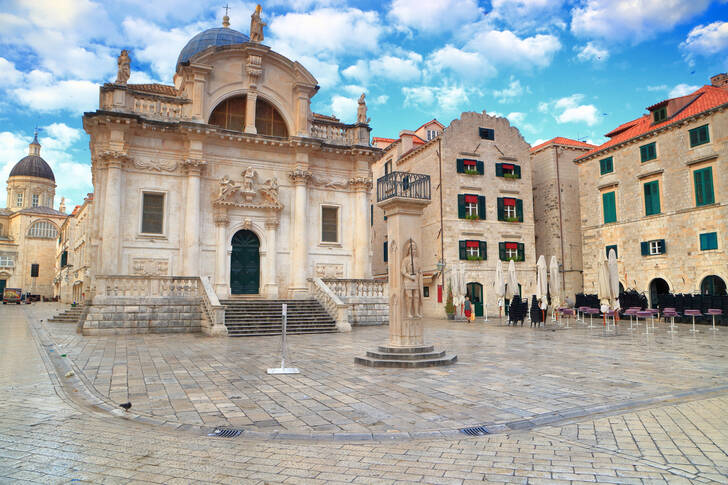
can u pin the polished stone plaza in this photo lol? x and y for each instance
(564, 406)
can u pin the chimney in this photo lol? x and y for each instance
(720, 80)
(407, 137)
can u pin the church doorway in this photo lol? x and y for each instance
(475, 293)
(245, 264)
(658, 287)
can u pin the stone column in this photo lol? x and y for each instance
(250, 112)
(191, 252)
(299, 256)
(111, 234)
(362, 242)
(271, 287)
(221, 274)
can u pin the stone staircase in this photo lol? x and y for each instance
(251, 318)
(71, 315)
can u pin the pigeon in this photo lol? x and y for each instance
(126, 406)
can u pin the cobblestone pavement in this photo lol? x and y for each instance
(505, 377)
(48, 435)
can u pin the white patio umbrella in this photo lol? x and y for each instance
(554, 284)
(512, 288)
(500, 285)
(542, 283)
(462, 281)
(613, 279)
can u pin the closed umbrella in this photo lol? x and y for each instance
(542, 288)
(613, 279)
(500, 285)
(554, 284)
(463, 283)
(512, 279)
(605, 287)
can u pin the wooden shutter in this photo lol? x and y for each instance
(371, 214)
(645, 248)
(463, 253)
(481, 206)
(461, 206)
(480, 166)
(608, 207)
(663, 246)
(699, 187)
(521, 252)
(500, 209)
(502, 251)
(652, 198)
(498, 169)
(708, 185)
(460, 165)
(519, 210)
(34, 268)
(386, 252)
(693, 137)
(482, 246)
(517, 170)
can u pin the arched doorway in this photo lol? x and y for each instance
(658, 287)
(713, 285)
(245, 264)
(475, 293)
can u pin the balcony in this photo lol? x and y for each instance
(403, 184)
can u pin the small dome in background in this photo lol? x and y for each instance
(208, 38)
(33, 165)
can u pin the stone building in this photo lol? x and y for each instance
(656, 193)
(29, 226)
(73, 268)
(481, 210)
(556, 207)
(226, 176)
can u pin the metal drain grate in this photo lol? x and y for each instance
(226, 432)
(475, 431)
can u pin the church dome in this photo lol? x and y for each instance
(208, 38)
(33, 165)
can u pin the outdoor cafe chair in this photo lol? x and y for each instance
(713, 312)
(632, 312)
(693, 313)
(645, 314)
(566, 312)
(591, 312)
(670, 312)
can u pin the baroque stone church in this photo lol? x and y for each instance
(227, 175)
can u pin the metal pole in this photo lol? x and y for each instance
(283, 369)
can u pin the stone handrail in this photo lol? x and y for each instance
(339, 133)
(213, 312)
(356, 287)
(126, 99)
(152, 108)
(147, 286)
(332, 304)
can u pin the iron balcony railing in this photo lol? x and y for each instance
(403, 184)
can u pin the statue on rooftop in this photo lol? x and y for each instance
(124, 71)
(361, 112)
(256, 25)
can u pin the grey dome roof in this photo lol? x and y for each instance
(208, 38)
(32, 166)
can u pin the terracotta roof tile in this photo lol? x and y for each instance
(708, 97)
(560, 140)
(154, 89)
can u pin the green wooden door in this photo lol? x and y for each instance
(2, 288)
(245, 264)
(475, 293)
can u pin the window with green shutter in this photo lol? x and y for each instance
(64, 259)
(470, 166)
(385, 254)
(471, 250)
(609, 207)
(708, 241)
(660, 114)
(510, 250)
(699, 136)
(471, 206)
(652, 198)
(610, 247)
(652, 248)
(606, 165)
(510, 209)
(703, 179)
(648, 152)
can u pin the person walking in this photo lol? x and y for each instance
(468, 309)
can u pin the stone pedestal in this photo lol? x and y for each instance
(406, 346)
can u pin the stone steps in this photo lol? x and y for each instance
(406, 357)
(72, 315)
(252, 318)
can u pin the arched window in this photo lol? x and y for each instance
(230, 114)
(43, 229)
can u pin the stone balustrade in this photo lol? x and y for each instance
(148, 286)
(356, 287)
(152, 108)
(150, 105)
(333, 304)
(340, 133)
(366, 301)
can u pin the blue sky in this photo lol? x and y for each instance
(574, 68)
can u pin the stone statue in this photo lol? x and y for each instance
(361, 111)
(249, 180)
(227, 188)
(411, 281)
(271, 186)
(256, 25)
(124, 71)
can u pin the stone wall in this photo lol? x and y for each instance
(121, 316)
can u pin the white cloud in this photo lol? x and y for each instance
(405, 68)
(516, 117)
(9, 76)
(448, 98)
(60, 136)
(682, 89)
(434, 16)
(633, 20)
(506, 48)
(326, 73)
(381, 99)
(75, 96)
(592, 52)
(705, 40)
(354, 89)
(325, 30)
(466, 64)
(661, 87)
(570, 110)
(514, 90)
(528, 15)
(344, 108)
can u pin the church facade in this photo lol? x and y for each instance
(227, 175)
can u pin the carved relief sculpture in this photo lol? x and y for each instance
(124, 71)
(411, 281)
(248, 193)
(256, 25)
(156, 165)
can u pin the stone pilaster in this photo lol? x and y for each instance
(111, 231)
(299, 257)
(191, 252)
(271, 286)
(362, 241)
(221, 274)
